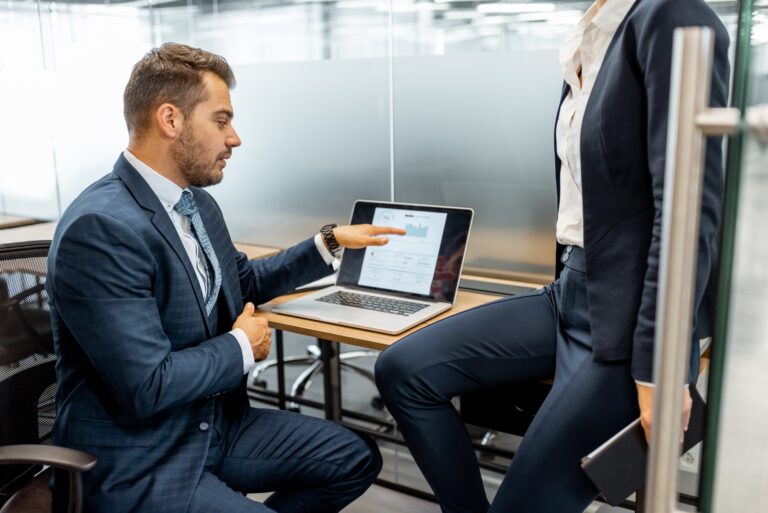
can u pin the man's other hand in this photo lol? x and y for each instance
(356, 236)
(256, 329)
(645, 401)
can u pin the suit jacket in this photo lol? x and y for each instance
(623, 158)
(139, 368)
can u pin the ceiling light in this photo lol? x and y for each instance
(499, 8)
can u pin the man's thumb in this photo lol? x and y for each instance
(249, 308)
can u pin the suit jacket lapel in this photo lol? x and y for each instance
(566, 90)
(147, 200)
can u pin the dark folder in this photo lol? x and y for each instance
(617, 468)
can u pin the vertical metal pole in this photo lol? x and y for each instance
(391, 39)
(329, 353)
(689, 96)
(280, 347)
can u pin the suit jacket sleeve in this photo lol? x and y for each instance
(654, 52)
(264, 279)
(103, 288)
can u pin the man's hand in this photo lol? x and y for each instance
(256, 329)
(356, 236)
(645, 401)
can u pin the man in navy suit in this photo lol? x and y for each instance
(152, 311)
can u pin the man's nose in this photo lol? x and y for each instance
(233, 141)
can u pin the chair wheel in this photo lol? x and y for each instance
(377, 403)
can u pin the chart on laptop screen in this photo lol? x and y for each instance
(407, 263)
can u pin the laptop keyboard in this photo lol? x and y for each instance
(375, 303)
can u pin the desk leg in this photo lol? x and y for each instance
(280, 369)
(329, 353)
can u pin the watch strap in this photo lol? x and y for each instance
(326, 232)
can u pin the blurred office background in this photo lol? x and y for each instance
(449, 102)
(428, 101)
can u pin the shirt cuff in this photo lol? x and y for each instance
(328, 257)
(245, 347)
(647, 384)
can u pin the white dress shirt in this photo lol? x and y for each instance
(582, 52)
(169, 194)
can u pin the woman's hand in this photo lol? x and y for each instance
(645, 401)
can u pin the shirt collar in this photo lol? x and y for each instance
(611, 14)
(606, 18)
(570, 52)
(166, 191)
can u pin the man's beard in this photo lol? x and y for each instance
(189, 156)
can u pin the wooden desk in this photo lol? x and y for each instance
(14, 222)
(253, 251)
(40, 231)
(355, 336)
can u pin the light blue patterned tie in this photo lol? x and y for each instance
(186, 206)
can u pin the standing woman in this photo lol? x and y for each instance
(593, 328)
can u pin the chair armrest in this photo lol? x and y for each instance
(59, 457)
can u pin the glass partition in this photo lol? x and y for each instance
(476, 89)
(413, 100)
(27, 176)
(475, 130)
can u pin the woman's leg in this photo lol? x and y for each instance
(578, 415)
(508, 341)
(589, 402)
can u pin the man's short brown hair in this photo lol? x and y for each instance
(172, 73)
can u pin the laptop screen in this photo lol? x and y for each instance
(424, 263)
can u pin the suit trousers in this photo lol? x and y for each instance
(522, 338)
(312, 465)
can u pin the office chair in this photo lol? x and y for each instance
(509, 409)
(314, 366)
(28, 388)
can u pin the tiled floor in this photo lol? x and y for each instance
(380, 500)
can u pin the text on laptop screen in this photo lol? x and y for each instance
(407, 263)
(424, 264)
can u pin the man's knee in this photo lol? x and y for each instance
(367, 463)
(373, 458)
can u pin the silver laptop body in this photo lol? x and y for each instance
(394, 287)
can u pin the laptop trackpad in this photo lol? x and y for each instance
(322, 311)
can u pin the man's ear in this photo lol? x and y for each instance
(170, 120)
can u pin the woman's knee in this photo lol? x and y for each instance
(394, 367)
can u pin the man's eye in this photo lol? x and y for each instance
(222, 124)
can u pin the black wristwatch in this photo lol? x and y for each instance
(329, 239)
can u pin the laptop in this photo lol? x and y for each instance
(394, 287)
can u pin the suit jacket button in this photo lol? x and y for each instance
(203, 426)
